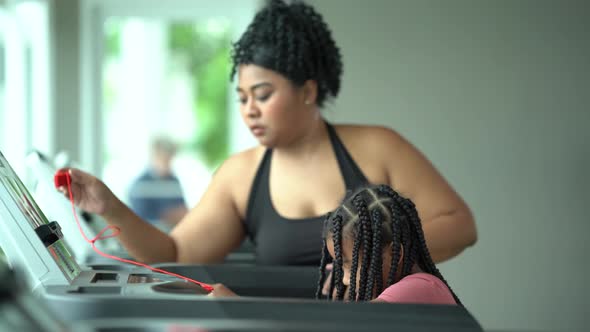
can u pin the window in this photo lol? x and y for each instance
(24, 101)
(163, 71)
(165, 78)
(13, 91)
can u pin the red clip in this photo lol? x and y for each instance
(61, 178)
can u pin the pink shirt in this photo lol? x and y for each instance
(418, 288)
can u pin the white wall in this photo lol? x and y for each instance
(65, 75)
(495, 93)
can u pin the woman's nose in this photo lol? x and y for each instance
(252, 110)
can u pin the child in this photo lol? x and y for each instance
(379, 254)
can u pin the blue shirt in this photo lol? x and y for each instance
(150, 195)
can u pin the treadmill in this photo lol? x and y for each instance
(21, 311)
(241, 275)
(133, 297)
(30, 240)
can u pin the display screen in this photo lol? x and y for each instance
(11, 187)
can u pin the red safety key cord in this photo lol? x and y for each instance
(62, 177)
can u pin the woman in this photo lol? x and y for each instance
(288, 66)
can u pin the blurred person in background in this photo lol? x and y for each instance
(156, 195)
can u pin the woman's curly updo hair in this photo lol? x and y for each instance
(293, 40)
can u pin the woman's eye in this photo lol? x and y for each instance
(263, 97)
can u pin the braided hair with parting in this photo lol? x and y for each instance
(374, 218)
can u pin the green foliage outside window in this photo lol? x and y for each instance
(205, 48)
(207, 55)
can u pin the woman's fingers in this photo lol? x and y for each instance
(63, 190)
(79, 177)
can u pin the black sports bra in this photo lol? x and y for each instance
(283, 241)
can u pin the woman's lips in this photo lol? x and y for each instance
(257, 130)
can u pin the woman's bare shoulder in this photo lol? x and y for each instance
(372, 148)
(236, 176)
(368, 136)
(241, 162)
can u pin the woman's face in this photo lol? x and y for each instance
(271, 106)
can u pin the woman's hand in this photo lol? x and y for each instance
(89, 193)
(220, 290)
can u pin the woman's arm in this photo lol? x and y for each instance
(210, 231)
(447, 221)
(143, 241)
(207, 234)
(213, 228)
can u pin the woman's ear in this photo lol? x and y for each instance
(310, 92)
